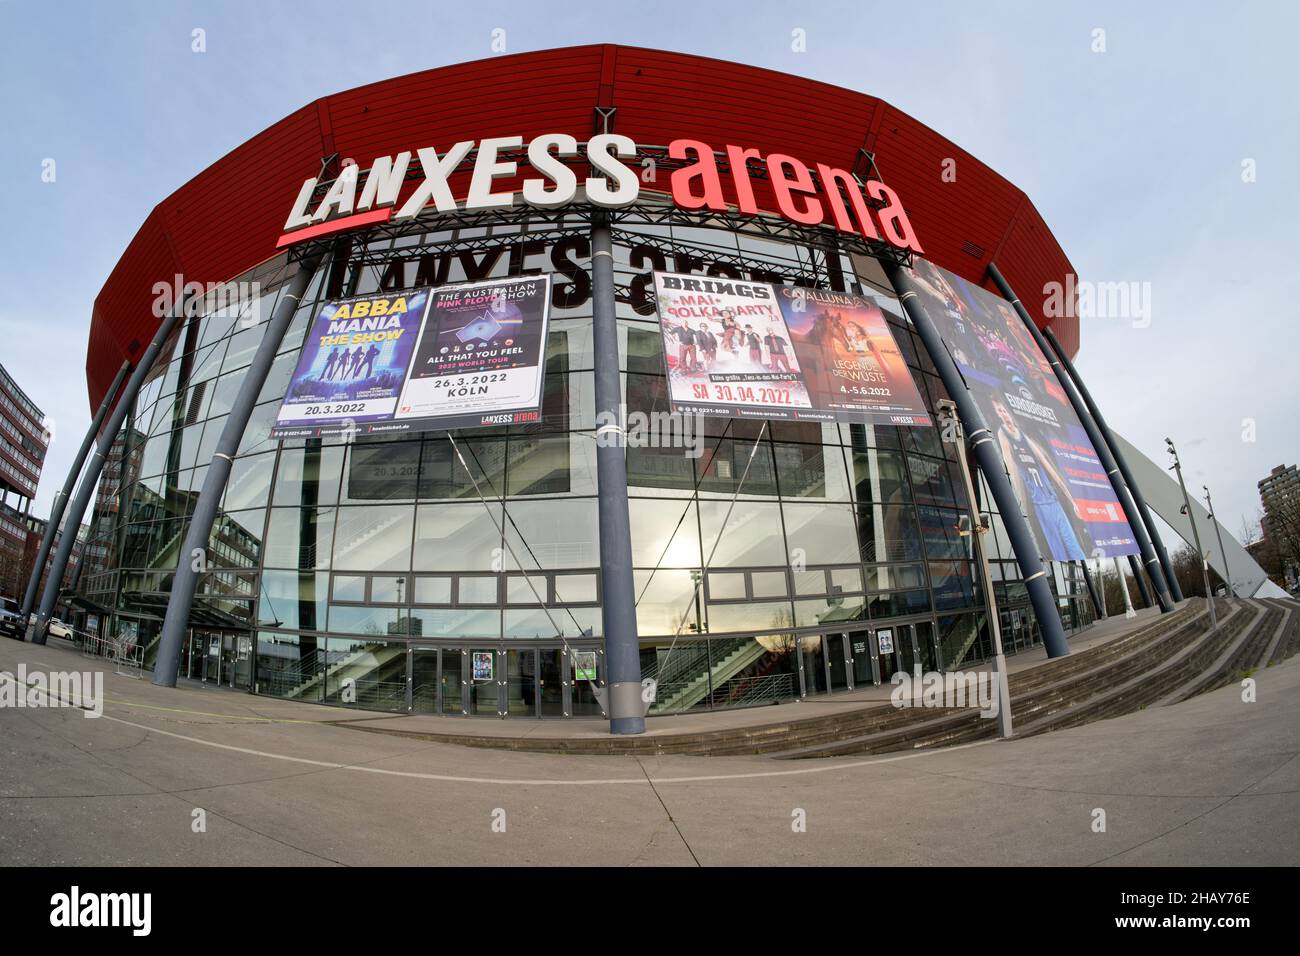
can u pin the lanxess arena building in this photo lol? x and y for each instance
(525, 564)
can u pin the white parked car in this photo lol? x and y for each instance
(59, 629)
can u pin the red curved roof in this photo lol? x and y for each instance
(227, 218)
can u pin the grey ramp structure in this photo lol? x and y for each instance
(1166, 500)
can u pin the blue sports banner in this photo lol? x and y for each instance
(1054, 469)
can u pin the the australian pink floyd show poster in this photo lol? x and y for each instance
(353, 363)
(454, 356)
(480, 357)
(759, 350)
(1054, 469)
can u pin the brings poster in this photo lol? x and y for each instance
(758, 350)
(452, 357)
(1054, 469)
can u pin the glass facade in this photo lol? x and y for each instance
(386, 574)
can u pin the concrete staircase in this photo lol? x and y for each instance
(1174, 657)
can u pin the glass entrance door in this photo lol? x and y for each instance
(424, 681)
(521, 683)
(837, 662)
(862, 659)
(550, 682)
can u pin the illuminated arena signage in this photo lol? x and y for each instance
(804, 195)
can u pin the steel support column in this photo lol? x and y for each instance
(1166, 566)
(192, 557)
(1032, 567)
(618, 590)
(90, 481)
(1143, 591)
(1119, 480)
(69, 483)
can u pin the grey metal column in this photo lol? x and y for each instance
(1119, 480)
(625, 707)
(193, 553)
(1141, 581)
(69, 483)
(1032, 567)
(1171, 580)
(90, 480)
(1092, 591)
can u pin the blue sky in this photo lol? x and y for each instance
(1133, 156)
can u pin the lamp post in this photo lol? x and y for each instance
(1227, 571)
(975, 525)
(1196, 536)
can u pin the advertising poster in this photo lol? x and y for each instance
(1054, 468)
(353, 363)
(480, 356)
(584, 666)
(753, 349)
(457, 356)
(481, 662)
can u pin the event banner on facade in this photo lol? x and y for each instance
(758, 350)
(452, 357)
(1055, 471)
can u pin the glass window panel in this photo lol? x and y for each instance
(552, 465)
(374, 538)
(309, 475)
(534, 623)
(811, 471)
(292, 599)
(751, 538)
(443, 476)
(389, 589)
(477, 590)
(349, 587)
(820, 534)
(769, 584)
(458, 537)
(526, 590)
(878, 476)
(726, 586)
(299, 538)
(559, 532)
(888, 533)
(455, 622)
(381, 471)
(250, 481)
(754, 615)
(576, 589)
(432, 590)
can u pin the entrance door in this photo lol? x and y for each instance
(424, 681)
(452, 667)
(550, 682)
(485, 680)
(862, 659)
(837, 661)
(521, 683)
(812, 664)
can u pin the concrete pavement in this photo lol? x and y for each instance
(1209, 781)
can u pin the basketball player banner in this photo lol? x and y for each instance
(758, 350)
(1054, 468)
(456, 356)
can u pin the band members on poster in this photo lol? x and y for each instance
(707, 344)
(730, 332)
(755, 345)
(1036, 482)
(368, 364)
(776, 350)
(686, 356)
(330, 364)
